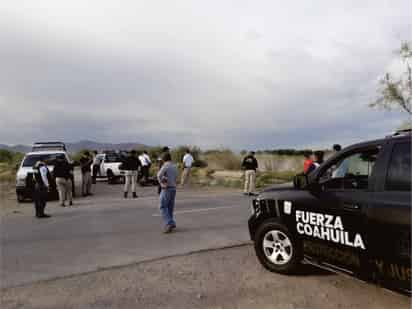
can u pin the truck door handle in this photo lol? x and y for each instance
(351, 206)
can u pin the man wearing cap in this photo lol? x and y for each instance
(250, 166)
(41, 177)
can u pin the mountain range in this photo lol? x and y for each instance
(81, 145)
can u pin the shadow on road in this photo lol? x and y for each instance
(311, 270)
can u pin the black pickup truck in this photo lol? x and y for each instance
(352, 214)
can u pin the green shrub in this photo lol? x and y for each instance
(6, 156)
(76, 157)
(222, 159)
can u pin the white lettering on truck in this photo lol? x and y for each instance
(326, 227)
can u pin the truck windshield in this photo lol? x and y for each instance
(49, 159)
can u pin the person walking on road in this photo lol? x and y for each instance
(187, 166)
(131, 167)
(160, 164)
(85, 164)
(62, 172)
(250, 166)
(146, 163)
(167, 177)
(41, 176)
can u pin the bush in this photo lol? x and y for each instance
(222, 159)
(76, 157)
(286, 152)
(6, 156)
(179, 152)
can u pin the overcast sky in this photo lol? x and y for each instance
(241, 74)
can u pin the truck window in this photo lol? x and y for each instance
(398, 177)
(30, 160)
(351, 172)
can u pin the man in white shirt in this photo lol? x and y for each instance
(187, 166)
(146, 163)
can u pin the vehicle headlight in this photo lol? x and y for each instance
(21, 181)
(253, 206)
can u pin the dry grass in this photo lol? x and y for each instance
(7, 173)
(222, 160)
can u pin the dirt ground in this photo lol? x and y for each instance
(7, 197)
(226, 278)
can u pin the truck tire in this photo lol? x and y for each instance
(110, 177)
(20, 198)
(277, 249)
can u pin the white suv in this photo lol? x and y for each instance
(24, 185)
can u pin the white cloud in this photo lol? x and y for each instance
(211, 73)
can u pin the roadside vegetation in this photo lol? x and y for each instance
(212, 168)
(8, 164)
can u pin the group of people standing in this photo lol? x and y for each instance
(64, 179)
(250, 165)
(314, 159)
(131, 165)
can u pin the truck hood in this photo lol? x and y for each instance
(279, 187)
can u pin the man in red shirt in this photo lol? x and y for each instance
(308, 161)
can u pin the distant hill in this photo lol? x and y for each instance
(75, 147)
(16, 148)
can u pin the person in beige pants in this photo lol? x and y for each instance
(250, 182)
(250, 166)
(187, 166)
(62, 172)
(130, 165)
(64, 187)
(130, 180)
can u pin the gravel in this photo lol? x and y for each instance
(226, 278)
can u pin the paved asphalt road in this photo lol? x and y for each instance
(106, 230)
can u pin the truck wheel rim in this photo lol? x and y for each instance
(277, 247)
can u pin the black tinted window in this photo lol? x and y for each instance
(112, 157)
(399, 172)
(47, 158)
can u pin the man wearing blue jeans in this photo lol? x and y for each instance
(167, 176)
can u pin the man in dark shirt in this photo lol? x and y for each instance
(41, 175)
(62, 173)
(85, 165)
(131, 167)
(250, 166)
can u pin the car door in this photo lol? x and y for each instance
(345, 193)
(102, 167)
(389, 218)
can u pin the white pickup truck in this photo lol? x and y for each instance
(24, 188)
(109, 167)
